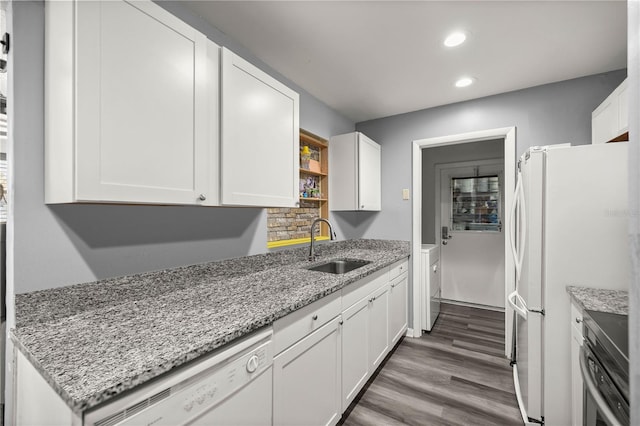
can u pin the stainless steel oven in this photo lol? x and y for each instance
(604, 365)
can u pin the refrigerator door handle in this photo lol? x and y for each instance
(518, 227)
(518, 304)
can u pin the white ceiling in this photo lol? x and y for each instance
(371, 59)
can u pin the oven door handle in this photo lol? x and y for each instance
(592, 388)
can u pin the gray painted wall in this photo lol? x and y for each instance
(66, 244)
(431, 157)
(543, 115)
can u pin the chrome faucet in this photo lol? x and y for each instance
(332, 235)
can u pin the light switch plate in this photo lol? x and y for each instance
(405, 194)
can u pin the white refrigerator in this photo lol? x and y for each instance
(571, 218)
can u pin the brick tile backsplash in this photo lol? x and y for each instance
(291, 223)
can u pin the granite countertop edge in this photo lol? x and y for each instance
(601, 300)
(80, 403)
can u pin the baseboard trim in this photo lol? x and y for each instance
(410, 333)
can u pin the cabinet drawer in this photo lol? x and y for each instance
(362, 288)
(398, 269)
(288, 330)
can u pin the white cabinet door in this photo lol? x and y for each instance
(355, 350)
(398, 308)
(611, 118)
(623, 107)
(306, 380)
(604, 122)
(138, 109)
(369, 184)
(355, 178)
(379, 326)
(259, 137)
(577, 393)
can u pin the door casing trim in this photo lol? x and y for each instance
(509, 136)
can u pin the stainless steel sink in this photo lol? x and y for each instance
(339, 266)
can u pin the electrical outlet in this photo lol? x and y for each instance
(405, 194)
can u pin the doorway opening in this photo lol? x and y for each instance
(481, 223)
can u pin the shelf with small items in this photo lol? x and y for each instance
(313, 173)
(313, 197)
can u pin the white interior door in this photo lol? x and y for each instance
(472, 245)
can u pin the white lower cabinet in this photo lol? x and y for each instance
(365, 335)
(577, 392)
(355, 350)
(379, 329)
(306, 379)
(398, 312)
(312, 383)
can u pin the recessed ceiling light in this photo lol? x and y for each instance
(465, 81)
(455, 39)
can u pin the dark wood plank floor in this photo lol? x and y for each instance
(455, 375)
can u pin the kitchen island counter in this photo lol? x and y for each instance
(93, 341)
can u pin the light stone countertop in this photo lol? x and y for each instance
(595, 299)
(95, 340)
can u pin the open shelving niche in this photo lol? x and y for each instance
(290, 226)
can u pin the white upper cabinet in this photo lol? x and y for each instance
(611, 119)
(354, 178)
(131, 106)
(259, 137)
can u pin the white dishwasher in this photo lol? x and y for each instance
(231, 387)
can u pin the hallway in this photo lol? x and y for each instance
(455, 375)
